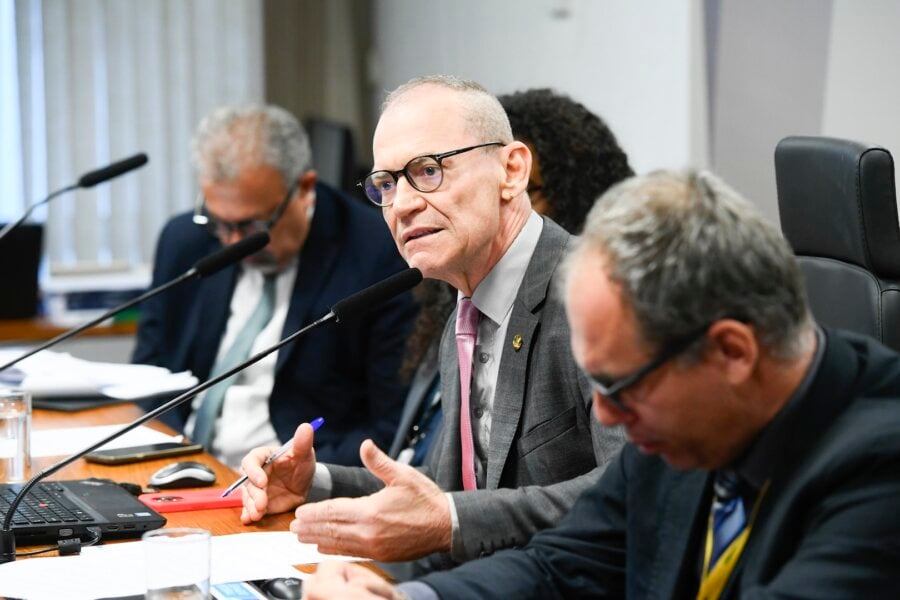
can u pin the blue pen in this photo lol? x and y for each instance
(315, 423)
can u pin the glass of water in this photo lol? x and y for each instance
(15, 435)
(177, 564)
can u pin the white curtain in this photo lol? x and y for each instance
(99, 80)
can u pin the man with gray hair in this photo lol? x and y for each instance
(255, 172)
(518, 444)
(764, 458)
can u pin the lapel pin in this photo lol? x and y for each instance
(517, 342)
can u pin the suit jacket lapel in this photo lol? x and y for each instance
(448, 470)
(316, 259)
(684, 516)
(512, 380)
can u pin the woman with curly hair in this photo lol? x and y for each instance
(575, 158)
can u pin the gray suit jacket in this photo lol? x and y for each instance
(545, 447)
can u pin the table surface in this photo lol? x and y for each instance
(40, 329)
(219, 521)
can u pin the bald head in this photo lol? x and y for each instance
(459, 230)
(483, 114)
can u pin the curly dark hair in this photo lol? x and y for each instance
(578, 155)
(579, 159)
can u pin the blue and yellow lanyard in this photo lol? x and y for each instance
(713, 582)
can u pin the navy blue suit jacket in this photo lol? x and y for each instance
(346, 373)
(829, 526)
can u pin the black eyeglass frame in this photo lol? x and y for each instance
(612, 391)
(246, 227)
(438, 158)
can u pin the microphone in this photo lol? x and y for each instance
(350, 308)
(114, 170)
(85, 181)
(205, 266)
(361, 302)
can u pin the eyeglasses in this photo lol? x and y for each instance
(612, 389)
(224, 229)
(424, 173)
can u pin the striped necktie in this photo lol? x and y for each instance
(211, 407)
(729, 515)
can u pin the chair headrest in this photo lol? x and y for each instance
(836, 199)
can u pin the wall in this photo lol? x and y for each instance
(862, 92)
(635, 64)
(770, 68)
(692, 83)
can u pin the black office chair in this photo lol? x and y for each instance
(838, 210)
(334, 156)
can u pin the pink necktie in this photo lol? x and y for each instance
(466, 331)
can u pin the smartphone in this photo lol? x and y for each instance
(181, 500)
(121, 456)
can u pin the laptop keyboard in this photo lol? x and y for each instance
(45, 503)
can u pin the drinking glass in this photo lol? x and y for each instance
(177, 564)
(15, 435)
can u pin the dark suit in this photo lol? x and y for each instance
(545, 448)
(421, 391)
(345, 373)
(828, 527)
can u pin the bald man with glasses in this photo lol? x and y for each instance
(518, 443)
(254, 168)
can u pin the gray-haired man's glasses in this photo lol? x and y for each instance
(223, 229)
(612, 389)
(424, 173)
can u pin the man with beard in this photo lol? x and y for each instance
(254, 169)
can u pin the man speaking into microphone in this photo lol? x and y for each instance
(518, 443)
(254, 168)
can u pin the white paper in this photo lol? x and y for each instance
(119, 569)
(62, 442)
(49, 374)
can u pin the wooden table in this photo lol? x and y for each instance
(40, 329)
(218, 521)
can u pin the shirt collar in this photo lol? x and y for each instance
(496, 293)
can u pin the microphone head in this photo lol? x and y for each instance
(114, 170)
(376, 294)
(231, 254)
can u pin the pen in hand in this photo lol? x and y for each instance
(315, 423)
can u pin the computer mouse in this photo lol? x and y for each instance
(183, 474)
(283, 588)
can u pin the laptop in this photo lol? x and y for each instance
(55, 510)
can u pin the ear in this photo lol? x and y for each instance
(517, 165)
(735, 348)
(307, 182)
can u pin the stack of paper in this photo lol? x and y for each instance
(53, 374)
(63, 442)
(120, 569)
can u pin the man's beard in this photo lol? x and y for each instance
(264, 261)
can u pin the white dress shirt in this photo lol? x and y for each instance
(494, 298)
(244, 422)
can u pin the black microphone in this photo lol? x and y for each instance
(205, 266)
(376, 294)
(114, 170)
(87, 180)
(350, 308)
